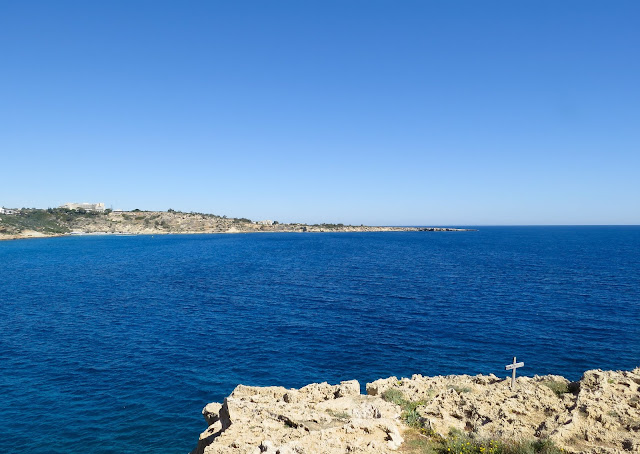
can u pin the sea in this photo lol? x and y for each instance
(113, 344)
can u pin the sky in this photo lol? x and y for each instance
(351, 111)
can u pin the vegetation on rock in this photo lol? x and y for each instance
(60, 221)
(416, 442)
(410, 415)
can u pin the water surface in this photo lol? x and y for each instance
(114, 344)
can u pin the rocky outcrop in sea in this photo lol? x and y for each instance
(598, 414)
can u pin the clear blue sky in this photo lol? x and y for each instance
(375, 112)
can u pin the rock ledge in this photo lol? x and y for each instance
(598, 414)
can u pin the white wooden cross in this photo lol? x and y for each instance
(513, 367)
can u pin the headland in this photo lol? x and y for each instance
(445, 414)
(37, 223)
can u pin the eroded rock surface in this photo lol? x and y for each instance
(318, 418)
(598, 414)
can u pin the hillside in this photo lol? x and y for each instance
(59, 221)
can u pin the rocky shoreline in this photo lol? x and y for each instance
(33, 234)
(48, 223)
(598, 414)
(26, 235)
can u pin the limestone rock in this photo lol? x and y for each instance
(598, 414)
(211, 412)
(318, 418)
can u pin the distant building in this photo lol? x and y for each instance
(265, 222)
(8, 211)
(84, 206)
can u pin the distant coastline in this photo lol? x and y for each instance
(40, 223)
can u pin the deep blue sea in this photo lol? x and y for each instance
(114, 344)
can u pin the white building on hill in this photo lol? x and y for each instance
(84, 206)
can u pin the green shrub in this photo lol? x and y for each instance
(558, 387)
(393, 395)
(410, 414)
(412, 418)
(458, 443)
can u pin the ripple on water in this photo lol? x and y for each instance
(117, 342)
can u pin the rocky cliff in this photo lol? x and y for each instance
(598, 414)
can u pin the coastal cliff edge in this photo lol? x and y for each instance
(598, 414)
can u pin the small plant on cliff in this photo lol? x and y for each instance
(460, 389)
(460, 443)
(393, 395)
(410, 414)
(412, 418)
(341, 415)
(560, 388)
